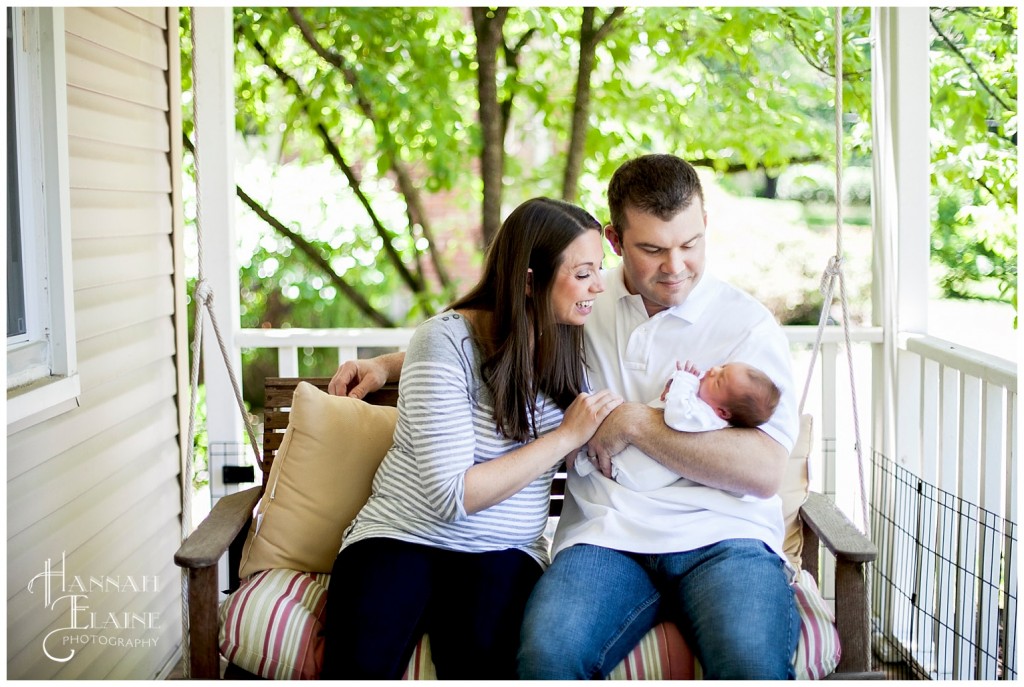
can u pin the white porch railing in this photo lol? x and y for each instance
(829, 401)
(945, 506)
(954, 430)
(346, 342)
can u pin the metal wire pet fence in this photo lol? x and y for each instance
(944, 588)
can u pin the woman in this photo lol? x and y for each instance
(490, 402)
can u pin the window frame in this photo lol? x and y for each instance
(42, 367)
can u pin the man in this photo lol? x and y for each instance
(705, 551)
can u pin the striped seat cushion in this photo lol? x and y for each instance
(818, 651)
(271, 627)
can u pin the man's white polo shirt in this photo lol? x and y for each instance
(634, 355)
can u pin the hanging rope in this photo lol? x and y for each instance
(834, 272)
(203, 300)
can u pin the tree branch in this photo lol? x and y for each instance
(314, 255)
(952, 46)
(512, 84)
(415, 285)
(590, 38)
(309, 250)
(410, 191)
(606, 25)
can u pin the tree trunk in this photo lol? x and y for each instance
(590, 38)
(487, 24)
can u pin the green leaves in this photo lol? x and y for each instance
(974, 150)
(394, 91)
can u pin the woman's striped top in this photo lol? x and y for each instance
(445, 426)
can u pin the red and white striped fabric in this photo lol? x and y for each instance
(271, 627)
(661, 655)
(818, 651)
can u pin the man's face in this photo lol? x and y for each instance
(662, 261)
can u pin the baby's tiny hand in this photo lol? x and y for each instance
(664, 392)
(691, 368)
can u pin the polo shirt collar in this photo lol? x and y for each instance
(689, 310)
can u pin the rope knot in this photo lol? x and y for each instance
(832, 270)
(203, 292)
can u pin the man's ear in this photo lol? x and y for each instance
(612, 234)
(529, 282)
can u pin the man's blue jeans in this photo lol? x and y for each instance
(731, 600)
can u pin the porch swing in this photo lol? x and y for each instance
(319, 455)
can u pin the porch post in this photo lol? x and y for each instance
(910, 91)
(215, 136)
(901, 100)
(900, 122)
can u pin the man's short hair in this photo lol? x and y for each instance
(658, 184)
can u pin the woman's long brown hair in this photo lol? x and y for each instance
(534, 237)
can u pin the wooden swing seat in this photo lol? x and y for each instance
(225, 529)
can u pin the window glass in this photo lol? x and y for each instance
(16, 321)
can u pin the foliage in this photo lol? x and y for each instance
(201, 455)
(388, 93)
(974, 150)
(385, 103)
(974, 244)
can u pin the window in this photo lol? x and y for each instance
(42, 378)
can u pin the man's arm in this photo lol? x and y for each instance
(356, 378)
(746, 461)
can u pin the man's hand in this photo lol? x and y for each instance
(356, 378)
(612, 437)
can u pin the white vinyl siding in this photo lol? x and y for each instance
(100, 482)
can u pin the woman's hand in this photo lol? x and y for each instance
(494, 481)
(585, 414)
(356, 378)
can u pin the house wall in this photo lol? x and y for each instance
(98, 485)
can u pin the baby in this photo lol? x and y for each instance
(734, 394)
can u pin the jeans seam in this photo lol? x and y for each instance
(640, 608)
(794, 636)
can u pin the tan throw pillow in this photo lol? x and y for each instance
(794, 491)
(320, 479)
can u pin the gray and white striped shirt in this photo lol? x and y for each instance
(445, 426)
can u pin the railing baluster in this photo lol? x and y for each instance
(830, 387)
(288, 361)
(346, 353)
(908, 409)
(948, 472)
(969, 464)
(830, 384)
(1009, 577)
(991, 500)
(928, 531)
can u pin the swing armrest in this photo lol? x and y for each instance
(833, 529)
(208, 543)
(223, 530)
(823, 522)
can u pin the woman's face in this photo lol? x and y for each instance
(578, 279)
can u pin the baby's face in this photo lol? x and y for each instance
(720, 384)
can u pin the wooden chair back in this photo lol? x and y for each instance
(279, 392)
